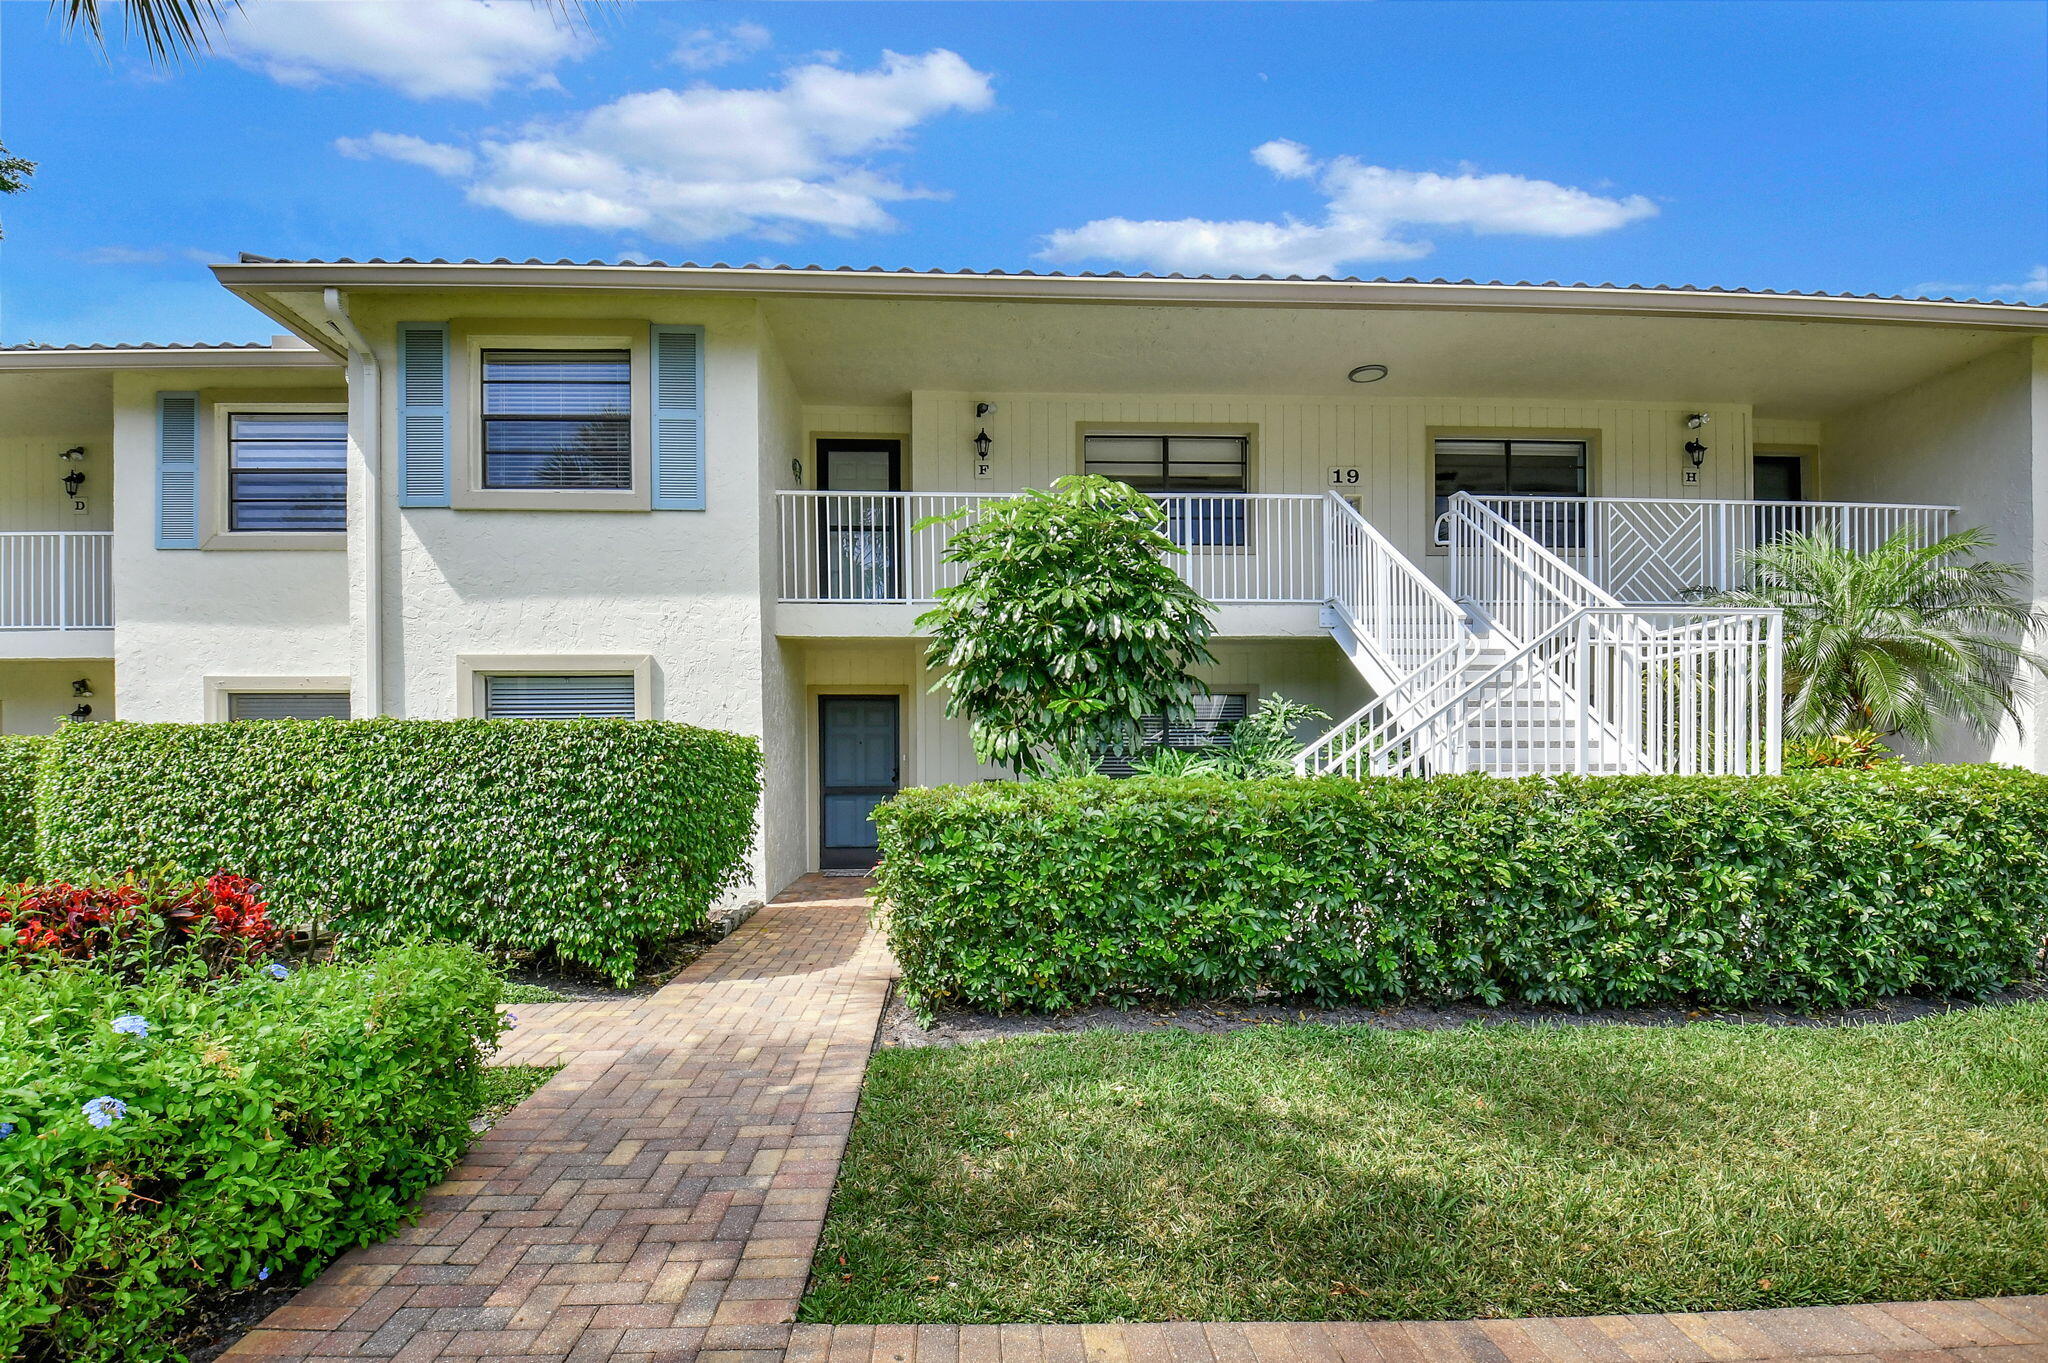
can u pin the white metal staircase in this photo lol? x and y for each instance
(1526, 667)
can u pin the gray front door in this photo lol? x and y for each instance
(857, 744)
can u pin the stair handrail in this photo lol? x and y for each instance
(1480, 536)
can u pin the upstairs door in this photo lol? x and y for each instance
(858, 739)
(1779, 478)
(861, 528)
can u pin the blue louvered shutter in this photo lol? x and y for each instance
(678, 418)
(423, 469)
(177, 470)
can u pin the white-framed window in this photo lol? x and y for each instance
(557, 420)
(527, 695)
(287, 472)
(1179, 464)
(248, 705)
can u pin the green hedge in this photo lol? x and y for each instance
(585, 838)
(18, 755)
(1820, 889)
(268, 1125)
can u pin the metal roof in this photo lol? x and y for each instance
(250, 258)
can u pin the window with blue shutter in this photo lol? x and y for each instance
(177, 470)
(424, 475)
(678, 427)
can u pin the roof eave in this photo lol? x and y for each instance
(196, 357)
(251, 280)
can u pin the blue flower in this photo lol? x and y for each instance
(262, 1275)
(511, 1020)
(103, 1112)
(276, 970)
(134, 1024)
(6, 1130)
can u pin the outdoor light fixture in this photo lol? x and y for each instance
(796, 469)
(1695, 420)
(981, 444)
(80, 712)
(81, 687)
(71, 482)
(1368, 373)
(74, 454)
(982, 409)
(1696, 452)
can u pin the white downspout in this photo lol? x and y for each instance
(366, 373)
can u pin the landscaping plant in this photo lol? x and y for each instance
(130, 926)
(1815, 889)
(584, 840)
(18, 756)
(1068, 625)
(190, 1131)
(1898, 639)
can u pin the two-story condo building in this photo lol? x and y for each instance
(1468, 520)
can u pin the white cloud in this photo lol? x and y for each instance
(438, 157)
(704, 48)
(1367, 214)
(123, 255)
(2034, 286)
(701, 163)
(426, 49)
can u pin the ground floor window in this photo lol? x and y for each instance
(1207, 724)
(533, 696)
(287, 705)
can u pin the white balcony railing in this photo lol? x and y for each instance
(1664, 551)
(1241, 548)
(56, 580)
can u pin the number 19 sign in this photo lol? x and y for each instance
(1345, 477)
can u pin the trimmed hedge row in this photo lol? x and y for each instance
(219, 1134)
(585, 838)
(18, 755)
(1813, 890)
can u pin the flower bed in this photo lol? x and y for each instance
(198, 1121)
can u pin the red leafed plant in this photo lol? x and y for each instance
(222, 918)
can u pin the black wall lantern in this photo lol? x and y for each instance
(80, 712)
(981, 444)
(72, 481)
(1696, 452)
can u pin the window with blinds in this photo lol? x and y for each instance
(287, 471)
(1180, 464)
(557, 419)
(523, 696)
(1207, 724)
(287, 705)
(1518, 468)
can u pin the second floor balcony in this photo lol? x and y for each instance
(1275, 549)
(55, 583)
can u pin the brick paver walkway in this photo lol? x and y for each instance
(2004, 1330)
(657, 1200)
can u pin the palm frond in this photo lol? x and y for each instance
(167, 29)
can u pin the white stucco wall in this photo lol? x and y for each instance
(184, 615)
(1975, 437)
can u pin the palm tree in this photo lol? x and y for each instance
(1896, 639)
(167, 29)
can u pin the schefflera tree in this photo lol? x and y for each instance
(1069, 625)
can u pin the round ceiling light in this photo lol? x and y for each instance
(1368, 373)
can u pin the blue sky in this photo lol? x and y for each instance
(1894, 147)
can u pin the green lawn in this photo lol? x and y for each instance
(1309, 1173)
(506, 1086)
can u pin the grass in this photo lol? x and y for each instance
(504, 1086)
(518, 991)
(1323, 1173)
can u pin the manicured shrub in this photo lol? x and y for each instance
(162, 1139)
(18, 755)
(583, 838)
(221, 922)
(1817, 889)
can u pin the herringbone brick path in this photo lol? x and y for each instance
(657, 1200)
(2003, 1330)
